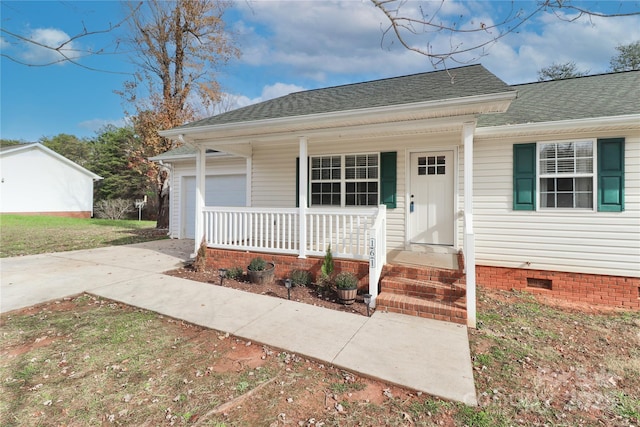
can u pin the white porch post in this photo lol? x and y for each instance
(302, 197)
(468, 129)
(201, 167)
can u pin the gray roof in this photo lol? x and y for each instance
(602, 95)
(433, 86)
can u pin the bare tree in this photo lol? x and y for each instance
(555, 71)
(627, 58)
(408, 19)
(178, 46)
(65, 49)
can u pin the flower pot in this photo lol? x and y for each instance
(347, 296)
(262, 277)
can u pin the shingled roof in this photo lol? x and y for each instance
(602, 95)
(433, 86)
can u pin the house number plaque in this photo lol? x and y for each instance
(372, 252)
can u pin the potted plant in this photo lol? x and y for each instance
(260, 271)
(346, 287)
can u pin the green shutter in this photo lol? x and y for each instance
(524, 177)
(611, 175)
(388, 179)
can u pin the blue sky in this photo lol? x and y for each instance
(286, 46)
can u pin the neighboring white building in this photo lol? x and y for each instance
(37, 180)
(538, 185)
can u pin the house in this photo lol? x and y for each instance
(38, 181)
(532, 186)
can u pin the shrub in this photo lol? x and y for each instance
(346, 280)
(200, 263)
(113, 208)
(327, 264)
(257, 264)
(300, 277)
(235, 272)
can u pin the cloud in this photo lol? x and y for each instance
(49, 45)
(333, 42)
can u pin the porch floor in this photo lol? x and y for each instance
(425, 256)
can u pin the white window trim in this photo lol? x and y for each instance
(343, 179)
(594, 175)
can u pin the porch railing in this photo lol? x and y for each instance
(358, 234)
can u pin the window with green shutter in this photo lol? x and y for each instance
(611, 175)
(567, 176)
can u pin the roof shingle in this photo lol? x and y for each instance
(433, 86)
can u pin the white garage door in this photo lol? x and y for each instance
(221, 190)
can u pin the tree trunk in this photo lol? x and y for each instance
(163, 198)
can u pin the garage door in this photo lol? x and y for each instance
(221, 190)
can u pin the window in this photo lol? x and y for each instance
(566, 174)
(431, 165)
(569, 175)
(349, 180)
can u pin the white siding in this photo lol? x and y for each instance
(605, 243)
(35, 181)
(274, 170)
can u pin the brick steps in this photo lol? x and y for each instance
(414, 306)
(427, 289)
(427, 292)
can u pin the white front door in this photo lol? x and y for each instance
(431, 216)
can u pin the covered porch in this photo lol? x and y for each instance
(359, 233)
(345, 168)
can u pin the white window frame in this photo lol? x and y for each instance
(343, 179)
(593, 175)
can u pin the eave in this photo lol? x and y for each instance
(630, 122)
(261, 129)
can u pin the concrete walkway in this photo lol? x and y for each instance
(421, 354)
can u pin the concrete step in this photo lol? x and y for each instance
(426, 289)
(430, 309)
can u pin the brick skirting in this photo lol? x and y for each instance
(67, 214)
(285, 264)
(612, 291)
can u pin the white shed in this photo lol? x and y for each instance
(37, 180)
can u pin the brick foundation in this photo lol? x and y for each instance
(68, 214)
(285, 264)
(612, 291)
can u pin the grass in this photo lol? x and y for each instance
(90, 361)
(29, 235)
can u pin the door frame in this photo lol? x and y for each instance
(455, 149)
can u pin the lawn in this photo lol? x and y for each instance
(29, 235)
(89, 361)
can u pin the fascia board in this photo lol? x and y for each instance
(252, 128)
(190, 156)
(630, 121)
